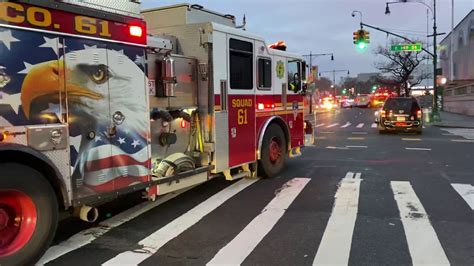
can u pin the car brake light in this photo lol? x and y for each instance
(136, 31)
(183, 123)
(260, 106)
(3, 136)
(419, 113)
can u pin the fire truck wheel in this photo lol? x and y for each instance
(28, 214)
(273, 152)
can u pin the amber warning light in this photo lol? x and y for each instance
(136, 31)
(3, 136)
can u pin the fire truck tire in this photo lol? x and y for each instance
(28, 214)
(273, 153)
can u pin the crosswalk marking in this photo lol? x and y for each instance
(423, 243)
(346, 125)
(336, 243)
(333, 125)
(355, 138)
(159, 238)
(374, 125)
(361, 125)
(235, 252)
(320, 125)
(411, 139)
(418, 149)
(463, 140)
(361, 147)
(87, 236)
(466, 191)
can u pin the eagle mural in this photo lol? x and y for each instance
(104, 93)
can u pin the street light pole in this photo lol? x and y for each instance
(310, 71)
(435, 113)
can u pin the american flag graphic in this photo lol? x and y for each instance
(105, 162)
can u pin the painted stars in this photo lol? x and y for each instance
(52, 43)
(7, 38)
(135, 143)
(14, 100)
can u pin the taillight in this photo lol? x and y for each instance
(419, 114)
(3, 136)
(136, 31)
(183, 123)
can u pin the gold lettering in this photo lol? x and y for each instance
(16, 18)
(31, 15)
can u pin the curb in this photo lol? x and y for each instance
(451, 126)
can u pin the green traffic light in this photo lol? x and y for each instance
(361, 45)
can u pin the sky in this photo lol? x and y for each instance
(326, 26)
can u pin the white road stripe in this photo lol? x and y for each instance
(336, 148)
(423, 243)
(159, 238)
(361, 125)
(467, 193)
(335, 246)
(418, 149)
(235, 252)
(362, 147)
(360, 133)
(332, 125)
(374, 125)
(463, 140)
(320, 125)
(346, 125)
(87, 236)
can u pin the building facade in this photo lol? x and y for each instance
(459, 92)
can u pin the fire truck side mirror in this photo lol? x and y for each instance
(168, 78)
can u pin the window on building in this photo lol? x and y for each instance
(241, 64)
(264, 73)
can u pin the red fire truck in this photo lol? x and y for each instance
(92, 107)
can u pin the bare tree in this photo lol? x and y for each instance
(402, 66)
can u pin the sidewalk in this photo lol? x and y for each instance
(455, 120)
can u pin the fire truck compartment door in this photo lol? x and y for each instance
(108, 114)
(241, 101)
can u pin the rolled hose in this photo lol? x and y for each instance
(174, 164)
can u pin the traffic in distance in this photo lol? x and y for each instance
(146, 133)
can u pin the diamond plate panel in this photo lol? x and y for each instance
(61, 158)
(122, 7)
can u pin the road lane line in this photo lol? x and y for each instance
(323, 137)
(335, 246)
(418, 149)
(346, 125)
(411, 139)
(336, 148)
(235, 252)
(320, 125)
(87, 236)
(326, 132)
(332, 125)
(361, 125)
(159, 238)
(361, 147)
(463, 140)
(356, 138)
(423, 243)
(360, 133)
(374, 125)
(467, 193)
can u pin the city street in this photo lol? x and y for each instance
(357, 198)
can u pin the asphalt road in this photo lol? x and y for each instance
(357, 198)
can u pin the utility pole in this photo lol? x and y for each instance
(310, 71)
(334, 77)
(435, 62)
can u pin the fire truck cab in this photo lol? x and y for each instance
(97, 102)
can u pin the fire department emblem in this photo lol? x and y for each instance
(280, 69)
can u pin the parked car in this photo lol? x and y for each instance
(402, 114)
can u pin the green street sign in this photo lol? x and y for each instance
(406, 47)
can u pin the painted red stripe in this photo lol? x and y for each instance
(114, 161)
(118, 183)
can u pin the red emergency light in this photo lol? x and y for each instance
(136, 31)
(183, 123)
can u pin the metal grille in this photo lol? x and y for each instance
(122, 7)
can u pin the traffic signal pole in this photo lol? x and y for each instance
(310, 71)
